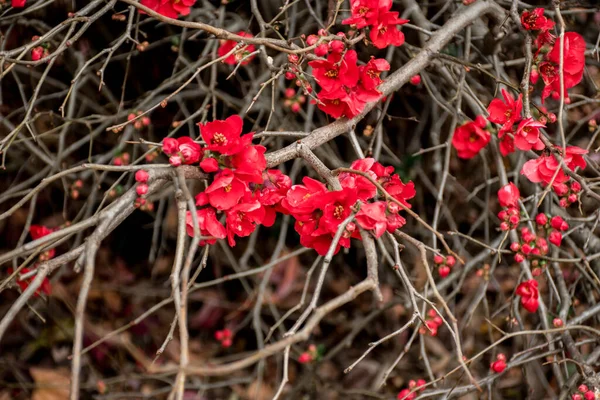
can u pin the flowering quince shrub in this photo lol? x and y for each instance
(249, 193)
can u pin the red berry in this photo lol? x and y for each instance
(450, 261)
(498, 366)
(304, 358)
(444, 271)
(438, 259)
(415, 80)
(557, 322)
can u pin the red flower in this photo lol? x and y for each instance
(574, 157)
(506, 112)
(529, 293)
(250, 163)
(397, 189)
(507, 143)
(208, 224)
(386, 31)
(274, 188)
(527, 136)
(182, 150)
(224, 136)
(535, 20)
(574, 63)
(508, 195)
(242, 219)
(366, 12)
(18, 3)
(337, 208)
(543, 169)
(558, 223)
(39, 231)
(302, 200)
(371, 216)
(225, 191)
(45, 287)
(470, 138)
(369, 74)
(228, 45)
(346, 102)
(169, 8)
(336, 72)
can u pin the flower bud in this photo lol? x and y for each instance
(141, 189)
(141, 176)
(415, 80)
(541, 219)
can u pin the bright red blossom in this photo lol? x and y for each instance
(224, 136)
(228, 45)
(169, 8)
(182, 150)
(242, 219)
(527, 135)
(18, 3)
(470, 138)
(23, 284)
(207, 223)
(535, 20)
(529, 293)
(507, 112)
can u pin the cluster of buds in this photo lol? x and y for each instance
(139, 123)
(444, 264)
(141, 177)
(553, 227)
(39, 52)
(410, 392)
(546, 116)
(75, 187)
(225, 337)
(529, 245)
(293, 101)
(585, 391)
(310, 355)
(510, 218)
(121, 159)
(301, 80)
(499, 365)
(568, 194)
(433, 322)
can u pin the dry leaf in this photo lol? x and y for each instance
(51, 383)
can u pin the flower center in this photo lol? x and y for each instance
(306, 196)
(227, 188)
(335, 102)
(219, 139)
(363, 10)
(372, 74)
(332, 73)
(338, 211)
(531, 19)
(508, 113)
(383, 29)
(472, 138)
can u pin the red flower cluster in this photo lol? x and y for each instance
(241, 188)
(543, 168)
(405, 394)
(228, 45)
(444, 264)
(36, 232)
(433, 322)
(508, 197)
(170, 8)
(141, 177)
(573, 66)
(319, 212)
(529, 293)
(499, 365)
(470, 138)
(345, 86)
(376, 14)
